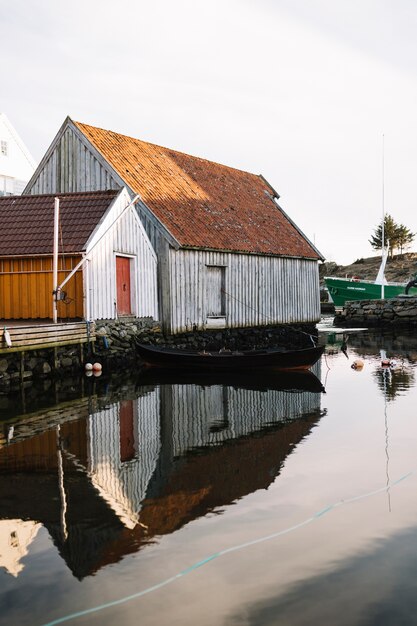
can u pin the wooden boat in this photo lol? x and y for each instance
(155, 356)
(264, 380)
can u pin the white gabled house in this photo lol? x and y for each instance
(228, 255)
(16, 163)
(104, 254)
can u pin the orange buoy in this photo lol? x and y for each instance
(357, 364)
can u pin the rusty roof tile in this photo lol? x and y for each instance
(202, 204)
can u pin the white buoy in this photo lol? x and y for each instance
(88, 367)
(88, 372)
(97, 367)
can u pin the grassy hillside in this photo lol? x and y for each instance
(401, 268)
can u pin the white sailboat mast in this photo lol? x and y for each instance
(384, 256)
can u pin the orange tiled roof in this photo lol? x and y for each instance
(27, 222)
(201, 203)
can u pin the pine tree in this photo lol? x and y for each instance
(390, 234)
(404, 238)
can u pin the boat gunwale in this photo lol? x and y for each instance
(367, 282)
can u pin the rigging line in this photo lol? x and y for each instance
(271, 319)
(247, 305)
(316, 516)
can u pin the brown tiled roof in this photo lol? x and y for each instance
(201, 203)
(27, 222)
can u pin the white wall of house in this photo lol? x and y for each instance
(220, 289)
(125, 237)
(16, 163)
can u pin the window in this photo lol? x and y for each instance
(4, 148)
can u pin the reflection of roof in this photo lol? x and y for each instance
(15, 539)
(211, 478)
(182, 490)
(218, 476)
(201, 203)
(27, 222)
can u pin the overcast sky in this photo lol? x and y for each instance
(301, 91)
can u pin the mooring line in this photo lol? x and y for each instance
(241, 546)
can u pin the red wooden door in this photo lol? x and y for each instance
(124, 306)
(127, 435)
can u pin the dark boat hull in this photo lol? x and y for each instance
(230, 361)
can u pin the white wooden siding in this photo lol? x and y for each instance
(259, 290)
(127, 237)
(71, 167)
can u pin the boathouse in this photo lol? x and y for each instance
(228, 255)
(103, 251)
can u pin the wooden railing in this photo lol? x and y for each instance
(37, 337)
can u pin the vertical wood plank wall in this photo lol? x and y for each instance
(127, 237)
(26, 288)
(71, 167)
(259, 290)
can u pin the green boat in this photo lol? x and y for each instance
(344, 289)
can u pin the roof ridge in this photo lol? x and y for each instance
(155, 145)
(61, 194)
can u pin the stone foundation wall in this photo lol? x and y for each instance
(118, 338)
(23, 367)
(115, 347)
(395, 312)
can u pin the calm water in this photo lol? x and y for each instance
(253, 502)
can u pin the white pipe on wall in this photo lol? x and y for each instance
(55, 263)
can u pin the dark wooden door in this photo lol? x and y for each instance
(124, 306)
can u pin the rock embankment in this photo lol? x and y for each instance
(401, 311)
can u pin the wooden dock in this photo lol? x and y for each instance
(40, 336)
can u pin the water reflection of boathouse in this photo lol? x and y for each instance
(147, 465)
